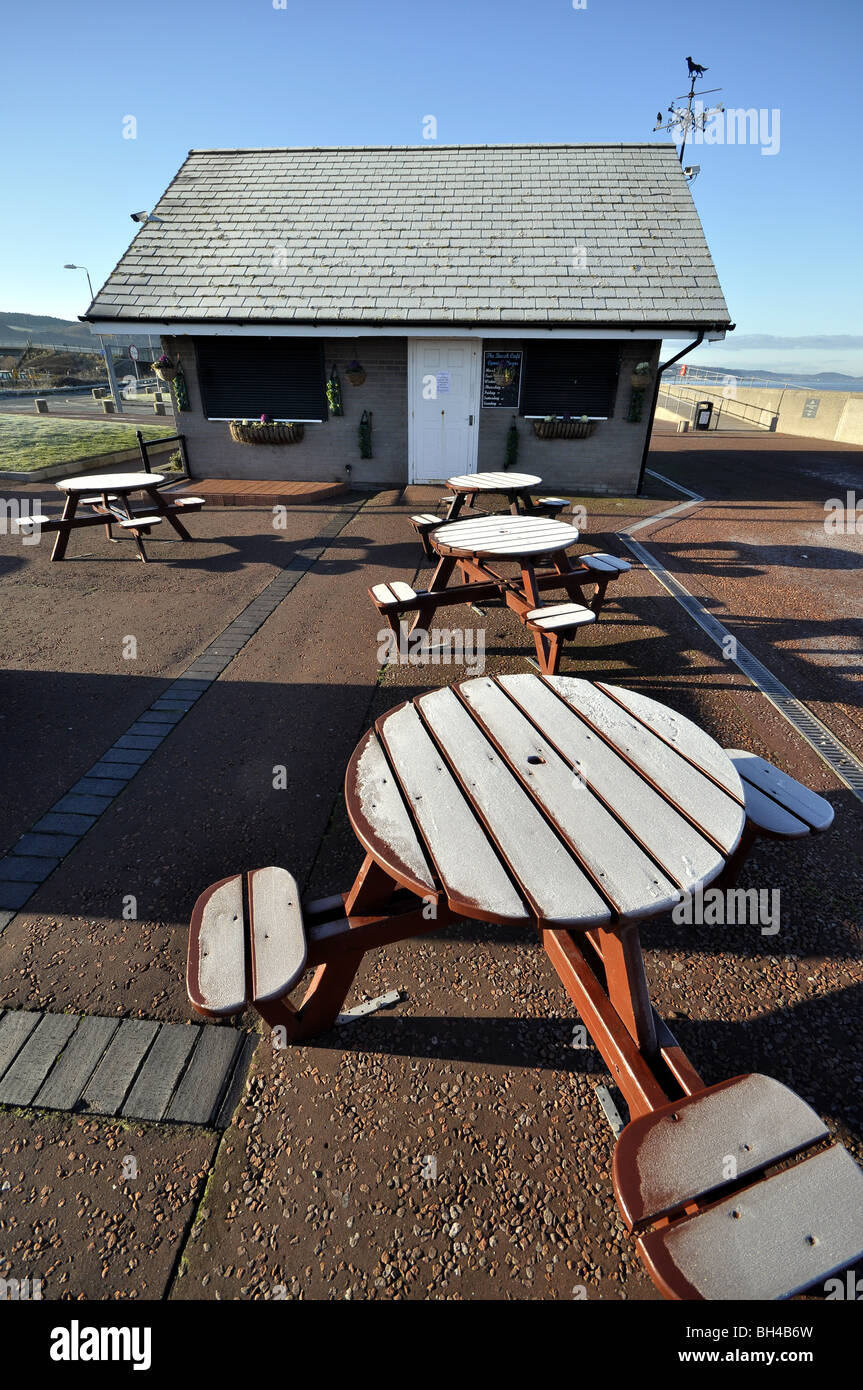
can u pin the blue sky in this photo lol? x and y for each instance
(784, 229)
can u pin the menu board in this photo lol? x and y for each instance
(501, 380)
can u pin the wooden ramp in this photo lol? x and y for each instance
(250, 492)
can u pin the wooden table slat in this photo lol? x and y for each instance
(636, 887)
(221, 965)
(549, 875)
(684, 854)
(278, 938)
(471, 874)
(685, 737)
(378, 810)
(493, 482)
(710, 808)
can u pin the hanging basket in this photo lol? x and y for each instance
(639, 380)
(165, 371)
(563, 429)
(356, 378)
(266, 434)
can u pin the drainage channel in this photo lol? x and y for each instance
(60, 830)
(832, 751)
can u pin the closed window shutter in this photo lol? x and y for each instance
(570, 379)
(244, 378)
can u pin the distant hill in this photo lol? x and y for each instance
(45, 331)
(828, 381)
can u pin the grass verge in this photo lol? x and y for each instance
(37, 442)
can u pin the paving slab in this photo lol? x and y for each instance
(62, 1089)
(115, 1073)
(17, 867)
(204, 1082)
(15, 1029)
(20, 1082)
(155, 1082)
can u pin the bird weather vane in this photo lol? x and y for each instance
(682, 121)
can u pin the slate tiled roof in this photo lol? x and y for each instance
(587, 235)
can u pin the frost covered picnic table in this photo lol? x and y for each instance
(576, 811)
(109, 504)
(515, 487)
(477, 547)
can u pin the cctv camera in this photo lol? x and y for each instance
(139, 216)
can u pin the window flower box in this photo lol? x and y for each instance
(274, 432)
(552, 428)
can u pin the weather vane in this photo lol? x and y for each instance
(682, 121)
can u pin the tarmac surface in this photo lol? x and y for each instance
(452, 1147)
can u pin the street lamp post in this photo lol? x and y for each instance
(106, 352)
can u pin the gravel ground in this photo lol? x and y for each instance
(96, 1209)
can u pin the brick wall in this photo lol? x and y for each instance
(608, 462)
(326, 448)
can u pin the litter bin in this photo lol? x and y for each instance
(703, 412)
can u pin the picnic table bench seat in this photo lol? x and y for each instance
(601, 563)
(393, 594)
(603, 569)
(777, 804)
(777, 807)
(247, 943)
(139, 523)
(715, 1217)
(191, 504)
(550, 506)
(557, 622)
(423, 523)
(559, 617)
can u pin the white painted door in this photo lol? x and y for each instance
(443, 403)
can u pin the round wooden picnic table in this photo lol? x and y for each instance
(557, 803)
(522, 539)
(514, 486)
(113, 490)
(547, 801)
(504, 537)
(110, 482)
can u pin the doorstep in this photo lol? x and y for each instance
(249, 492)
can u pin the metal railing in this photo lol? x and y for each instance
(144, 446)
(761, 417)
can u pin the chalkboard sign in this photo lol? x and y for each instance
(501, 380)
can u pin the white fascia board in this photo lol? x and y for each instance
(125, 327)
